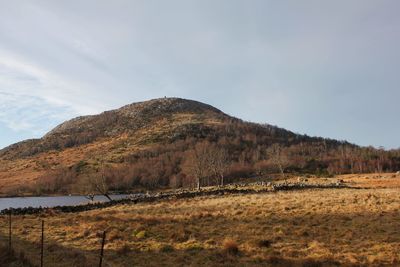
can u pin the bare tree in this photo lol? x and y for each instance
(278, 157)
(89, 196)
(94, 184)
(197, 163)
(99, 184)
(380, 159)
(219, 163)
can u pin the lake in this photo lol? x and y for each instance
(35, 202)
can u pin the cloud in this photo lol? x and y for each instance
(327, 69)
(35, 99)
(29, 113)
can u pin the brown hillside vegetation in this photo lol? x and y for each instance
(148, 145)
(330, 227)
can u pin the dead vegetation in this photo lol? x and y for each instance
(166, 143)
(328, 227)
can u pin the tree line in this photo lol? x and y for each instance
(193, 163)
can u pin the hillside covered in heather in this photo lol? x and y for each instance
(153, 144)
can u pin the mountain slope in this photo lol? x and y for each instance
(126, 120)
(146, 144)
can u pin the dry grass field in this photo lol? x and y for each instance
(325, 227)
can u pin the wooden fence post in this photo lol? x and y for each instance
(42, 245)
(9, 230)
(102, 249)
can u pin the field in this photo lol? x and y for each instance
(324, 227)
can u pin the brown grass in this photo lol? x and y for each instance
(230, 246)
(299, 228)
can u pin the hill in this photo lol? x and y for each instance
(127, 120)
(148, 145)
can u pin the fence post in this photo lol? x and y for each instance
(102, 248)
(42, 245)
(9, 230)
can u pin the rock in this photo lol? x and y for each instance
(398, 173)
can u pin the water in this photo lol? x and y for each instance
(35, 202)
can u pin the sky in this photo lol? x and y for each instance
(322, 68)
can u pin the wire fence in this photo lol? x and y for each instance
(33, 247)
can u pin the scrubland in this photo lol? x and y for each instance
(321, 227)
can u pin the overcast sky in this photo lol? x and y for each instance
(325, 68)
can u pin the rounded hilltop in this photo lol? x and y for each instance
(131, 120)
(135, 115)
(165, 106)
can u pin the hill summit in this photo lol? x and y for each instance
(126, 120)
(134, 116)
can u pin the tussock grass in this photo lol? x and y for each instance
(230, 246)
(299, 228)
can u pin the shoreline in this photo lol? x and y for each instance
(236, 189)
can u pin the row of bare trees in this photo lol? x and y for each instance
(196, 163)
(207, 161)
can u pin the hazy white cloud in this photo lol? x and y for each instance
(324, 68)
(24, 78)
(29, 113)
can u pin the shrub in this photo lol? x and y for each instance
(86, 233)
(141, 235)
(264, 243)
(230, 246)
(167, 248)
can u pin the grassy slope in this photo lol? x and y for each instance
(25, 171)
(349, 226)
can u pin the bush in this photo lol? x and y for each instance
(167, 248)
(264, 243)
(141, 235)
(230, 246)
